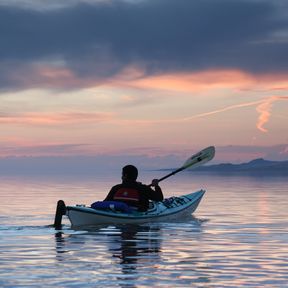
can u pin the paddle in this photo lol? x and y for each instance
(194, 161)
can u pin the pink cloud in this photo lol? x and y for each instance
(56, 118)
(264, 110)
(197, 81)
(200, 81)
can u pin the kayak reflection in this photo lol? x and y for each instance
(131, 248)
(137, 244)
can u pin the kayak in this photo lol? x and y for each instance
(166, 210)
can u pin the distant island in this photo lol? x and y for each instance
(257, 166)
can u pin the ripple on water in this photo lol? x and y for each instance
(238, 239)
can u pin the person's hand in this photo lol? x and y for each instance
(155, 182)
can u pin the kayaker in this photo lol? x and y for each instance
(134, 193)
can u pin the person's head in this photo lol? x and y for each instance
(129, 172)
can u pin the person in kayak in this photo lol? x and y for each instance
(134, 193)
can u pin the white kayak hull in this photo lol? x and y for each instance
(175, 208)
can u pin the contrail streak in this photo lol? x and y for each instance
(222, 110)
(264, 109)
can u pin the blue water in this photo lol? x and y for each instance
(236, 238)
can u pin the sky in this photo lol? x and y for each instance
(144, 78)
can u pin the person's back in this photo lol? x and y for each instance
(134, 193)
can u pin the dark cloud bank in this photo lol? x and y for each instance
(96, 41)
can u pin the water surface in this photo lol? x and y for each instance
(236, 238)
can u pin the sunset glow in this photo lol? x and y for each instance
(159, 94)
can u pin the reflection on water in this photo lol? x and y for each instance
(237, 238)
(128, 247)
(131, 255)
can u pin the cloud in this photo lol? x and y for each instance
(24, 149)
(86, 43)
(55, 118)
(227, 108)
(196, 81)
(264, 109)
(44, 5)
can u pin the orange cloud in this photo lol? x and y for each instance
(55, 76)
(264, 109)
(184, 82)
(200, 81)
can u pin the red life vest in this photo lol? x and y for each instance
(128, 195)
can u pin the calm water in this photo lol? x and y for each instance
(237, 238)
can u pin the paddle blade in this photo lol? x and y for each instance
(200, 158)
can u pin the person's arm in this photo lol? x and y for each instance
(156, 194)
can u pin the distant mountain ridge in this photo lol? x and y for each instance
(259, 166)
(101, 165)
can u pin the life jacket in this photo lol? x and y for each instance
(128, 195)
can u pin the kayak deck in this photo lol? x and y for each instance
(169, 209)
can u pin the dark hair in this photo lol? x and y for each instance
(130, 171)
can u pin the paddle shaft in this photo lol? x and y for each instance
(171, 174)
